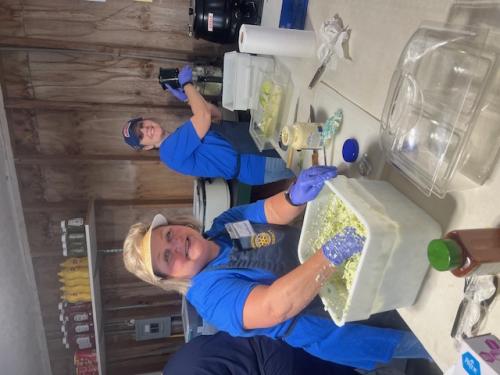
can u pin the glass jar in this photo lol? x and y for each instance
(303, 135)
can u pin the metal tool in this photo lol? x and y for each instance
(330, 53)
(321, 69)
(289, 158)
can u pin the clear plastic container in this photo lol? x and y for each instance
(432, 105)
(241, 79)
(393, 261)
(271, 100)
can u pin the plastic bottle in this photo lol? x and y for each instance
(467, 252)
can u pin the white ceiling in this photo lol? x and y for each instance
(23, 349)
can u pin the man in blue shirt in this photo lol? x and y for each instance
(196, 149)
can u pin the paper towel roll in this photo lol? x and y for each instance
(279, 42)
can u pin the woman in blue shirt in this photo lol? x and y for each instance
(202, 149)
(243, 276)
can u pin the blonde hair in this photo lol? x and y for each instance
(135, 264)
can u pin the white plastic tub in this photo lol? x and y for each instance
(393, 262)
(211, 197)
(240, 79)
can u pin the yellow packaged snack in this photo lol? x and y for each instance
(75, 282)
(76, 297)
(75, 262)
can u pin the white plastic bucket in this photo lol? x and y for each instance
(393, 262)
(211, 198)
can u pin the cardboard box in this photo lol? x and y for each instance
(479, 356)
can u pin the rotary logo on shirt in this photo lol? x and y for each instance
(263, 239)
(245, 237)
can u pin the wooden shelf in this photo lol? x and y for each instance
(95, 287)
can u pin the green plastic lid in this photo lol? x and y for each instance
(444, 255)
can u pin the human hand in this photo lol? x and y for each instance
(309, 184)
(178, 93)
(342, 246)
(185, 76)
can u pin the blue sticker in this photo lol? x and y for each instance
(471, 364)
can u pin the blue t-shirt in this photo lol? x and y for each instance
(219, 296)
(211, 156)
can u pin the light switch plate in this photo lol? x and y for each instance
(154, 328)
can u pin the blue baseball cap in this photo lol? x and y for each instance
(130, 133)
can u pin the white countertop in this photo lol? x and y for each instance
(380, 30)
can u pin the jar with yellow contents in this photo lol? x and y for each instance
(303, 135)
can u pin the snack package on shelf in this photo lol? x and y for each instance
(75, 262)
(73, 237)
(86, 362)
(79, 341)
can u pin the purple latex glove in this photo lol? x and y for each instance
(185, 76)
(178, 93)
(342, 246)
(309, 184)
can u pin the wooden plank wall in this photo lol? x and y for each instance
(72, 72)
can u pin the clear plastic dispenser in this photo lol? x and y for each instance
(434, 100)
(272, 97)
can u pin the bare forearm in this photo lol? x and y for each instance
(214, 112)
(279, 211)
(295, 290)
(202, 118)
(267, 306)
(195, 100)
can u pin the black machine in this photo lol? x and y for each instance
(220, 20)
(206, 78)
